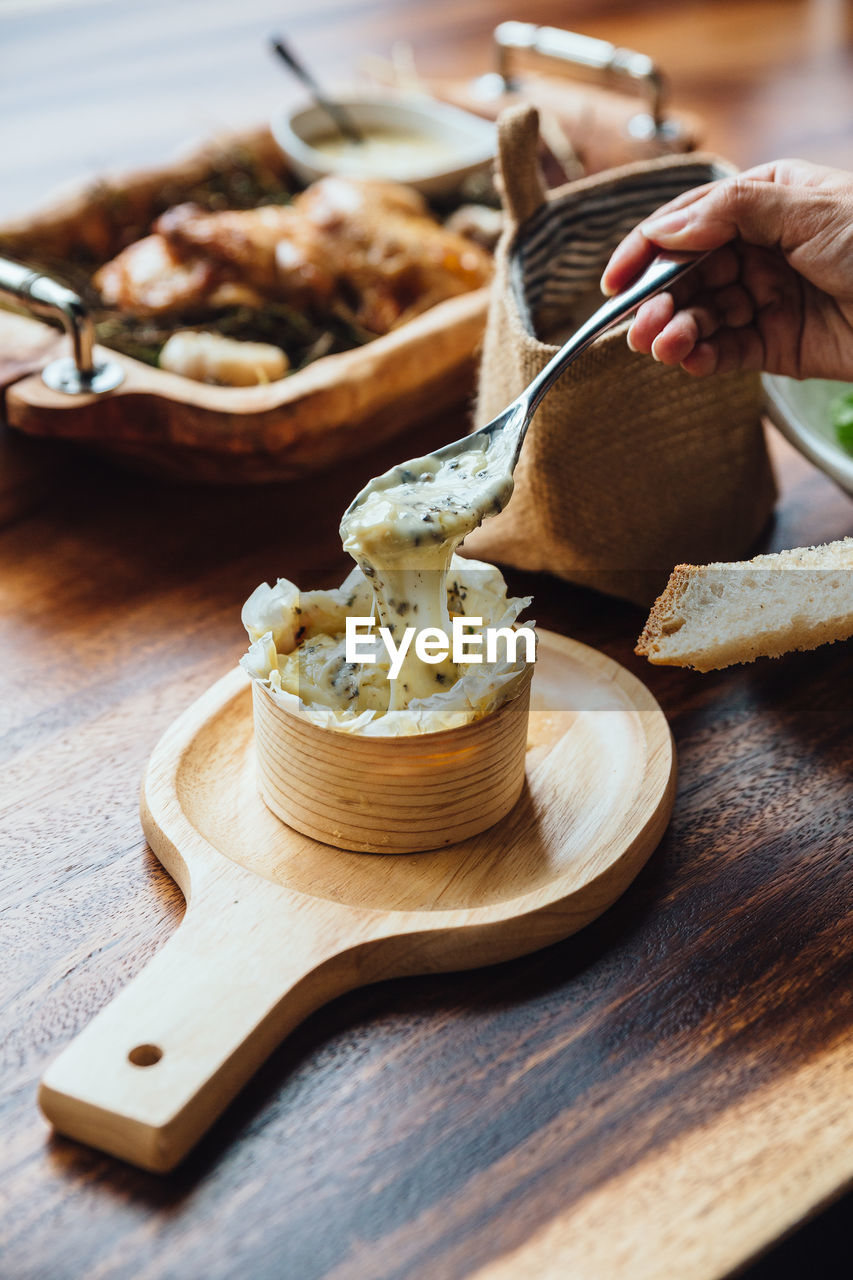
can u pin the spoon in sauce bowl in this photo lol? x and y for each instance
(339, 114)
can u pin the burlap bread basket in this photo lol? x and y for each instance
(629, 467)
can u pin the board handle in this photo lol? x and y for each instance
(157, 1066)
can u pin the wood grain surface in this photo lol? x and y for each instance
(513, 1120)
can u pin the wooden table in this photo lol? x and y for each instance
(664, 1094)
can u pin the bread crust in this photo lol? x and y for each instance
(713, 616)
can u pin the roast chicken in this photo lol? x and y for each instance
(369, 247)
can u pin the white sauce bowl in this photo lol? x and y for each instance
(456, 144)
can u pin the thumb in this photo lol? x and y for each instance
(755, 210)
(802, 210)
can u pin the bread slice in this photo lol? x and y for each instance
(714, 615)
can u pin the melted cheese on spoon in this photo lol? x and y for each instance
(403, 531)
(403, 534)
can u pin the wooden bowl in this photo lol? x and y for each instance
(170, 426)
(391, 795)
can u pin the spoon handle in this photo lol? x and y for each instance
(339, 114)
(660, 274)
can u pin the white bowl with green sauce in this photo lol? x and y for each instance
(816, 415)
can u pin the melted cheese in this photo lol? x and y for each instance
(403, 533)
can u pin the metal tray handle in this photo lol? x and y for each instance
(72, 375)
(595, 59)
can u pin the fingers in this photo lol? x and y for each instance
(779, 239)
(781, 205)
(736, 208)
(734, 306)
(669, 328)
(684, 331)
(637, 249)
(651, 319)
(720, 269)
(627, 261)
(667, 335)
(715, 334)
(702, 360)
(729, 351)
(725, 351)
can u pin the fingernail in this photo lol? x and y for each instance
(608, 293)
(666, 225)
(630, 342)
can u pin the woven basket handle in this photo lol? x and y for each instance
(518, 151)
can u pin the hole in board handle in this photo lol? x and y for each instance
(145, 1055)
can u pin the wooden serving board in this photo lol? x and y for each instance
(333, 409)
(277, 923)
(173, 427)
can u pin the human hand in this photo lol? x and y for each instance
(775, 294)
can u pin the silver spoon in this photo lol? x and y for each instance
(509, 428)
(339, 114)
